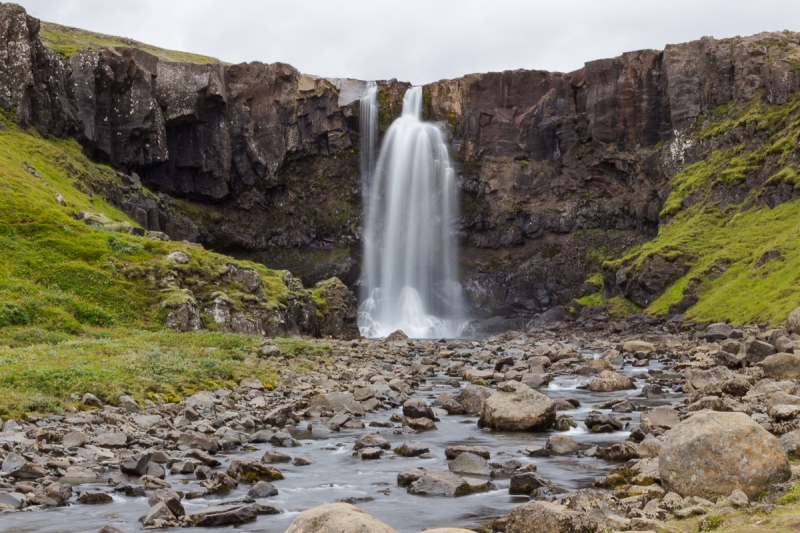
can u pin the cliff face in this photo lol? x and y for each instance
(557, 171)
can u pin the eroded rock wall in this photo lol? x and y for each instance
(557, 171)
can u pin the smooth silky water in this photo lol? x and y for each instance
(338, 475)
(411, 204)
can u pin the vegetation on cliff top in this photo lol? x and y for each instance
(741, 256)
(66, 41)
(79, 308)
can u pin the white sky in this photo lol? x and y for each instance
(418, 40)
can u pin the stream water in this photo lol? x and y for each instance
(338, 475)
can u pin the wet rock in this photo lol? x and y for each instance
(53, 495)
(620, 451)
(526, 483)
(273, 456)
(135, 465)
(445, 484)
(219, 483)
(151, 482)
(170, 498)
(470, 464)
(471, 399)
(337, 518)
(451, 452)
(262, 489)
(28, 471)
(651, 391)
(781, 366)
(202, 456)
(610, 381)
(94, 498)
(251, 471)
(420, 424)
(369, 454)
(302, 461)
(371, 440)
(109, 529)
(409, 475)
(417, 409)
(158, 516)
(517, 407)
(602, 424)
(702, 456)
(544, 517)
(561, 445)
(223, 515)
(411, 448)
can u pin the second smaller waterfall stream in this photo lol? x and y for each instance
(410, 254)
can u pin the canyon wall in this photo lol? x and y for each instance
(557, 171)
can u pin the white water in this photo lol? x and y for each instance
(369, 134)
(410, 254)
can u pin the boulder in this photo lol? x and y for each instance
(74, 439)
(470, 464)
(170, 498)
(756, 351)
(53, 495)
(409, 476)
(471, 399)
(793, 322)
(371, 440)
(712, 454)
(718, 332)
(95, 498)
(451, 452)
(273, 456)
(706, 379)
(638, 346)
(561, 445)
(610, 381)
(337, 518)
(526, 483)
(158, 516)
(262, 489)
(411, 448)
(517, 407)
(446, 484)
(544, 517)
(251, 471)
(417, 409)
(223, 515)
(781, 366)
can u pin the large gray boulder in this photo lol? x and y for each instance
(610, 381)
(337, 518)
(712, 454)
(517, 407)
(781, 366)
(472, 397)
(793, 322)
(447, 484)
(544, 517)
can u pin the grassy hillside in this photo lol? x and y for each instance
(82, 308)
(742, 257)
(66, 41)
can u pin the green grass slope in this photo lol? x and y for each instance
(79, 308)
(66, 41)
(742, 257)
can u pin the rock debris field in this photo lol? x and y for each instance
(538, 431)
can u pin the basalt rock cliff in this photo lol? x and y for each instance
(558, 172)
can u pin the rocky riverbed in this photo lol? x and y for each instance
(588, 430)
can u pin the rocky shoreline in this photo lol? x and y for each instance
(723, 446)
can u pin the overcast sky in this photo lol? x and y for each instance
(418, 40)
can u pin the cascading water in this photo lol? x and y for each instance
(410, 254)
(369, 134)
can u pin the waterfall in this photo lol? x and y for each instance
(369, 134)
(410, 253)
